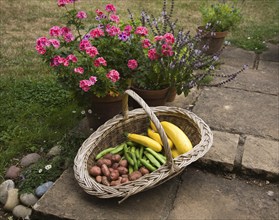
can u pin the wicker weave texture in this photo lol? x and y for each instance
(137, 121)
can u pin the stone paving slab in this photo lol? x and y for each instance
(203, 195)
(67, 200)
(223, 150)
(237, 57)
(272, 54)
(261, 156)
(239, 111)
(264, 80)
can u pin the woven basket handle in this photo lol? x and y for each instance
(156, 122)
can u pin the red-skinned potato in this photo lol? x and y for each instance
(114, 175)
(115, 165)
(124, 180)
(108, 156)
(95, 171)
(122, 170)
(105, 181)
(102, 161)
(98, 179)
(105, 170)
(144, 171)
(116, 158)
(135, 175)
(123, 163)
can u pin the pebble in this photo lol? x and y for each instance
(270, 193)
(54, 151)
(41, 190)
(28, 199)
(13, 172)
(22, 212)
(12, 199)
(29, 159)
(4, 188)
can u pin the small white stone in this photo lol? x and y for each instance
(270, 193)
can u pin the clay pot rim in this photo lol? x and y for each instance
(218, 34)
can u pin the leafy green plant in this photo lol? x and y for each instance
(30, 109)
(221, 16)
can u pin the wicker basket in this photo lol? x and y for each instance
(137, 121)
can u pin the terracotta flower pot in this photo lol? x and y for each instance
(215, 41)
(103, 109)
(151, 97)
(171, 94)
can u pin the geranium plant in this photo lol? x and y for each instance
(100, 59)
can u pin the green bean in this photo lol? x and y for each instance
(152, 159)
(141, 151)
(104, 152)
(130, 143)
(158, 156)
(118, 149)
(133, 155)
(137, 153)
(147, 165)
(130, 169)
(127, 156)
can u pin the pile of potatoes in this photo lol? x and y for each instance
(112, 170)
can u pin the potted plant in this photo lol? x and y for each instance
(217, 20)
(171, 61)
(96, 63)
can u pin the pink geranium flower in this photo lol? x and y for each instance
(84, 44)
(92, 51)
(100, 61)
(62, 3)
(55, 43)
(112, 30)
(141, 31)
(79, 70)
(114, 18)
(99, 12)
(113, 75)
(68, 37)
(42, 42)
(86, 84)
(132, 64)
(97, 32)
(72, 58)
(65, 30)
(55, 31)
(152, 54)
(146, 43)
(158, 38)
(128, 29)
(167, 50)
(110, 8)
(169, 38)
(40, 50)
(81, 15)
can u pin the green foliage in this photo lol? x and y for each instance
(30, 109)
(49, 169)
(255, 37)
(222, 16)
